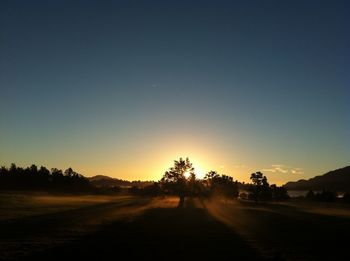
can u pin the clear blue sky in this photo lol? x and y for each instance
(122, 88)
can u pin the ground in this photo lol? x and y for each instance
(53, 227)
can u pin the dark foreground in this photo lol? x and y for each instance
(107, 228)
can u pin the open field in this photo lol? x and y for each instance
(47, 227)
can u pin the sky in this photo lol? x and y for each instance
(123, 88)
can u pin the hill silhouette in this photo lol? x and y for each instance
(335, 180)
(106, 181)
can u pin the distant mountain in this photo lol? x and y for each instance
(336, 180)
(105, 181)
(99, 177)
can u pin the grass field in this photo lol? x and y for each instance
(53, 227)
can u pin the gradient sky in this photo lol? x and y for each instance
(122, 88)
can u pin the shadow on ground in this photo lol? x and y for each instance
(286, 232)
(159, 234)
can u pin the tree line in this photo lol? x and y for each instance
(34, 178)
(181, 180)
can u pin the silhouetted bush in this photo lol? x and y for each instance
(220, 185)
(346, 197)
(323, 196)
(153, 190)
(279, 193)
(108, 190)
(243, 195)
(310, 195)
(326, 196)
(261, 190)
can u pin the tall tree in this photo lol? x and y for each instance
(176, 179)
(261, 187)
(210, 177)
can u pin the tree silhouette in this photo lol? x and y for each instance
(278, 193)
(175, 181)
(34, 178)
(221, 185)
(324, 195)
(346, 197)
(261, 188)
(210, 177)
(310, 195)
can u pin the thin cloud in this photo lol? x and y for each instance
(269, 170)
(280, 168)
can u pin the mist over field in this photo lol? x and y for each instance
(45, 226)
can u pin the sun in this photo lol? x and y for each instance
(198, 171)
(187, 174)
